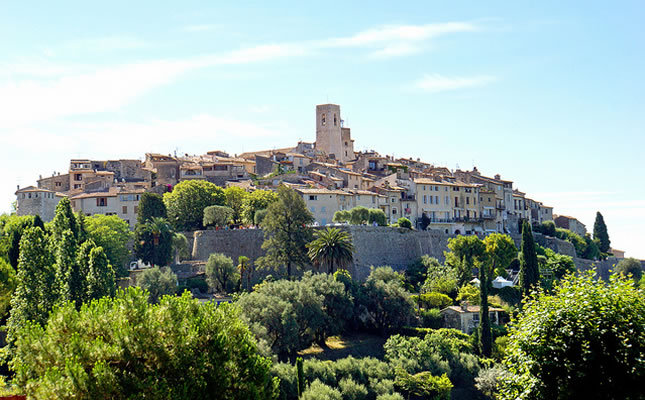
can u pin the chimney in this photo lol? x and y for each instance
(498, 177)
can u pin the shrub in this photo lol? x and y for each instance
(218, 216)
(385, 300)
(123, 347)
(434, 300)
(376, 215)
(431, 318)
(510, 294)
(158, 282)
(221, 273)
(197, 283)
(319, 391)
(404, 223)
(259, 216)
(630, 266)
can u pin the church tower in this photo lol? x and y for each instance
(331, 137)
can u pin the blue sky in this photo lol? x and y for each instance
(549, 95)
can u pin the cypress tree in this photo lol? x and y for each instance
(100, 277)
(151, 205)
(529, 270)
(485, 335)
(301, 376)
(80, 274)
(33, 298)
(600, 233)
(66, 267)
(64, 220)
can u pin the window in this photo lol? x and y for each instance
(78, 177)
(30, 195)
(77, 186)
(323, 121)
(456, 202)
(394, 211)
(58, 184)
(312, 197)
(393, 200)
(447, 200)
(373, 199)
(101, 201)
(335, 125)
(467, 200)
(436, 188)
(436, 199)
(125, 209)
(425, 199)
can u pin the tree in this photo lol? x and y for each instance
(151, 205)
(259, 216)
(8, 283)
(440, 278)
(484, 332)
(500, 251)
(158, 282)
(221, 274)
(548, 228)
(13, 229)
(153, 241)
(359, 215)
(425, 221)
(466, 252)
(112, 234)
(187, 201)
(64, 220)
(629, 266)
(235, 198)
(529, 270)
(331, 247)
(245, 268)
(122, 347)
(342, 216)
(180, 247)
(385, 299)
(286, 231)
(255, 201)
(377, 216)
(100, 276)
(600, 233)
(218, 216)
(66, 267)
(33, 298)
(584, 340)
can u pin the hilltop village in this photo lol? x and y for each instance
(329, 174)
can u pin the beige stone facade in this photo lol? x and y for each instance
(36, 201)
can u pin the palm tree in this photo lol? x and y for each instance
(332, 247)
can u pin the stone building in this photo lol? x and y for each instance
(570, 223)
(332, 138)
(123, 203)
(36, 201)
(466, 317)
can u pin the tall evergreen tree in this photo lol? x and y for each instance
(79, 277)
(100, 277)
(485, 335)
(151, 205)
(529, 270)
(33, 298)
(66, 268)
(600, 233)
(286, 231)
(64, 220)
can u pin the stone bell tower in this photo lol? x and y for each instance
(331, 137)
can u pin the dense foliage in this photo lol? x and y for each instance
(286, 231)
(256, 201)
(585, 340)
(235, 199)
(113, 234)
(187, 201)
(630, 267)
(221, 273)
(153, 241)
(288, 316)
(151, 205)
(124, 347)
(158, 282)
(218, 216)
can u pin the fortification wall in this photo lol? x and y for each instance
(373, 246)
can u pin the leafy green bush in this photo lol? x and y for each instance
(433, 300)
(218, 216)
(510, 294)
(376, 215)
(122, 347)
(158, 282)
(443, 351)
(319, 391)
(404, 223)
(586, 339)
(431, 318)
(425, 385)
(197, 283)
(385, 300)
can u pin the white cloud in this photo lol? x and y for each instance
(400, 33)
(439, 83)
